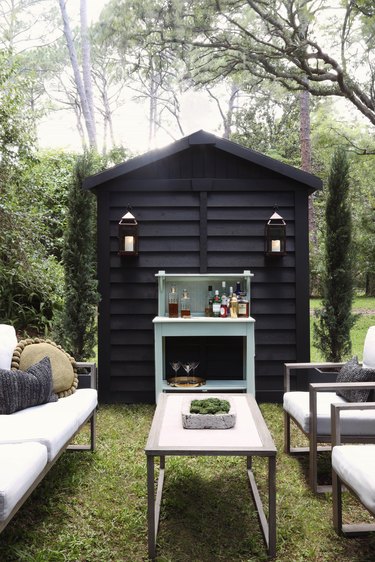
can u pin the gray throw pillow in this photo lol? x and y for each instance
(352, 372)
(23, 389)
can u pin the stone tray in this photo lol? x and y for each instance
(207, 421)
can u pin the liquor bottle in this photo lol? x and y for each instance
(229, 300)
(210, 297)
(185, 304)
(234, 306)
(173, 303)
(224, 301)
(238, 288)
(216, 303)
(243, 306)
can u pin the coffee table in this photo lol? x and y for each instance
(249, 437)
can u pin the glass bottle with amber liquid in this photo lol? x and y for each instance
(234, 306)
(173, 303)
(185, 308)
(243, 306)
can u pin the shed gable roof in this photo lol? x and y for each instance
(204, 138)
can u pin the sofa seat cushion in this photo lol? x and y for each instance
(80, 404)
(354, 422)
(20, 465)
(45, 424)
(8, 341)
(355, 465)
(64, 367)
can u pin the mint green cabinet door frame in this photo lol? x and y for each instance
(228, 327)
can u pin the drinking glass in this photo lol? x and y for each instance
(194, 366)
(187, 367)
(175, 366)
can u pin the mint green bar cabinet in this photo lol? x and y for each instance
(200, 325)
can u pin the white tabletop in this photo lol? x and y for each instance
(250, 433)
(243, 434)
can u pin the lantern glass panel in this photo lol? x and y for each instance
(129, 243)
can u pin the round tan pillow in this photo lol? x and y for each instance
(64, 368)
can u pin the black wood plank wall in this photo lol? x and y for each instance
(201, 210)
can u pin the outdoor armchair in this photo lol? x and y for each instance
(354, 467)
(310, 410)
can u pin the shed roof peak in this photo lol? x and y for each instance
(202, 137)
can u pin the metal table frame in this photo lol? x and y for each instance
(267, 449)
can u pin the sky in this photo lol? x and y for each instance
(58, 129)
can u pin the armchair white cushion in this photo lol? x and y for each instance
(369, 349)
(355, 465)
(356, 422)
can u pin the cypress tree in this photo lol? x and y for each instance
(335, 319)
(76, 328)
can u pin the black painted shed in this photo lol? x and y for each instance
(202, 204)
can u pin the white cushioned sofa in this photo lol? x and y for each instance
(33, 438)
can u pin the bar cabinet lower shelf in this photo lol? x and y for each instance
(165, 327)
(211, 385)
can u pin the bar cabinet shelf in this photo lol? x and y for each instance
(200, 325)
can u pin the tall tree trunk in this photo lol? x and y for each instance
(228, 121)
(86, 65)
(90, 126)
(153, 108)
(305, 140)
(226, 114)
(370, 284)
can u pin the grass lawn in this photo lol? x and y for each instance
(91, 507)
(359, 303)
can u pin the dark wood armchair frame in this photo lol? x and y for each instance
(313, 436)
(352, 529)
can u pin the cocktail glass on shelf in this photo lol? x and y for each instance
(187, 368)
(194, 366)
(175, 366)
(188, 381)
(191, 379)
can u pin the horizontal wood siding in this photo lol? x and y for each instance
(236, 222)
(200, 210)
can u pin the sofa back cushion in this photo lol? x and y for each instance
(64, 367)
(23, 389)
(8, 341)
(353, 372)
(369, 349)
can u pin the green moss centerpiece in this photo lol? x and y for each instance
(209, 406)
(208, 413)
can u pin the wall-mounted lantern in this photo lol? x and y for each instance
(128, 235)
(275, 235)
